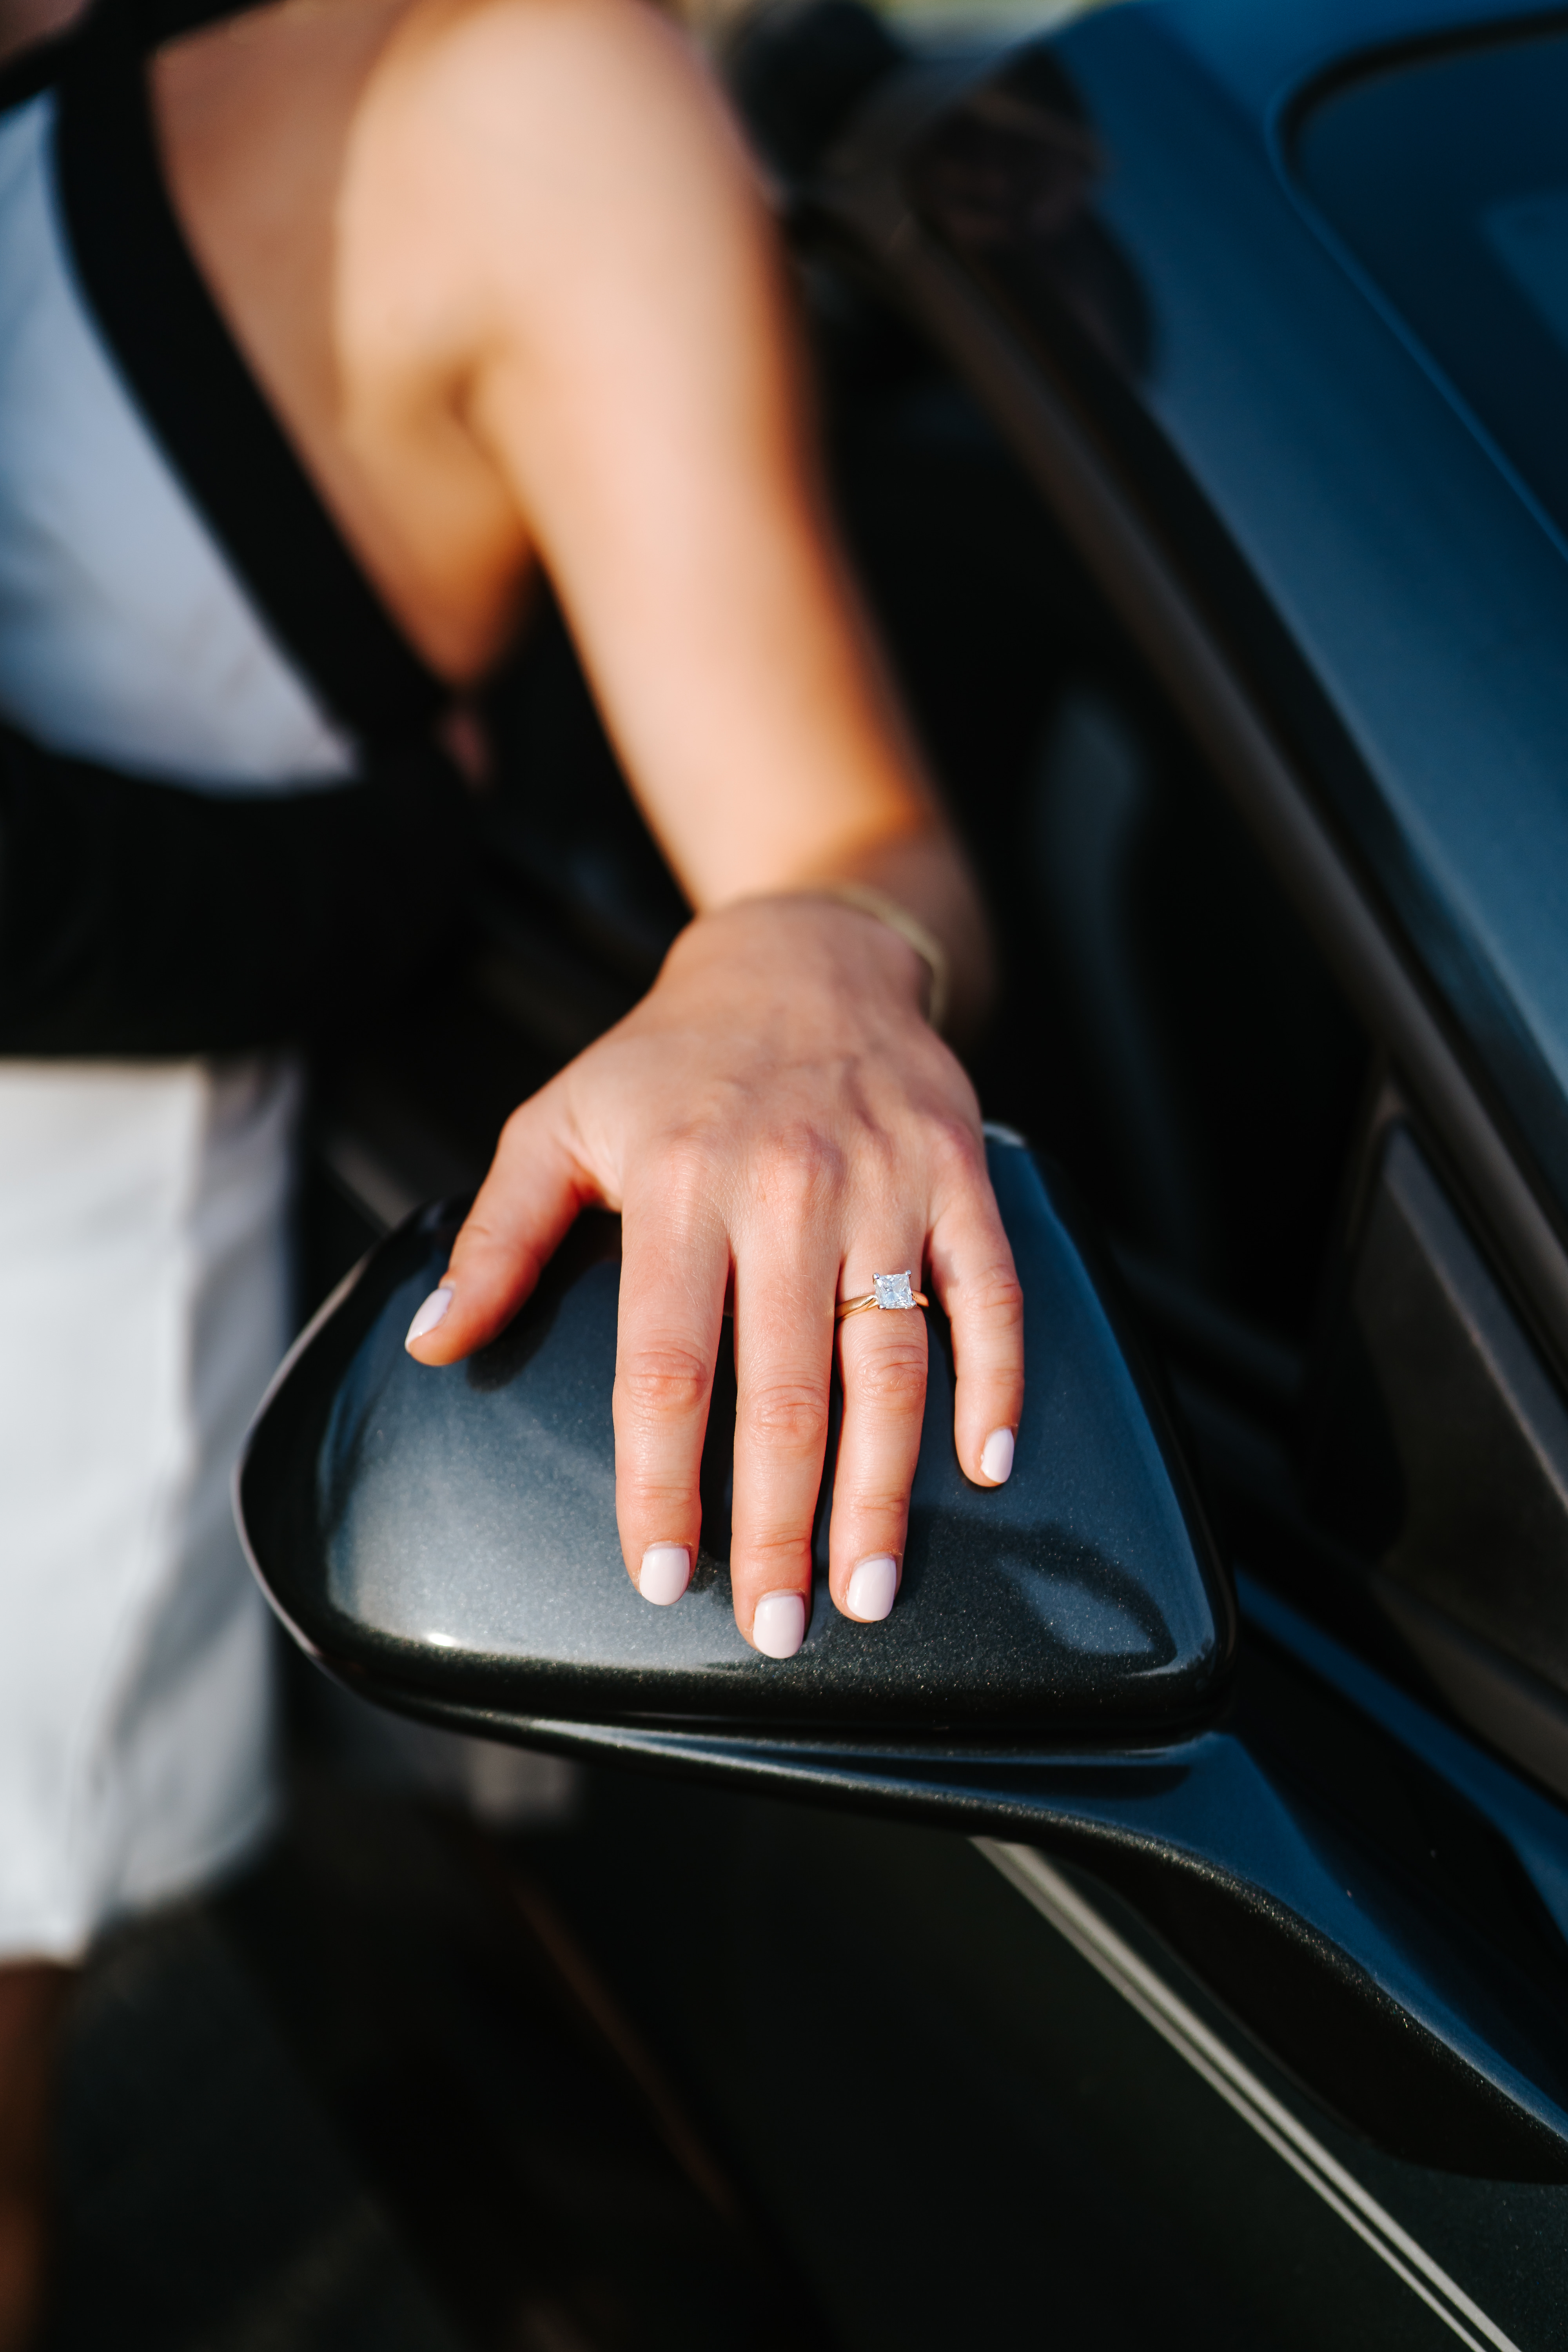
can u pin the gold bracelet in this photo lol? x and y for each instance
(869, 900)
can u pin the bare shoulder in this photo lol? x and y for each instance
(527, 173)
(563, 88)
(462, 37)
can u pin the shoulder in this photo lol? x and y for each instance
(533, 159)
(459, 37)
(507, 83)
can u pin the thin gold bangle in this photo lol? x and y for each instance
(870, 900)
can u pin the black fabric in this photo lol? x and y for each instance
(201, 402)
(142, 918)
(153, 22)
(145, 918)
(36, 68)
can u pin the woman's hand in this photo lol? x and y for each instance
(776, 1121)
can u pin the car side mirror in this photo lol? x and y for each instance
(444, 1540)
(1057, 1669)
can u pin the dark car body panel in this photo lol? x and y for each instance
(1384, 1910)
(1394, 605)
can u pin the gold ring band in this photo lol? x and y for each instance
(891, 1291)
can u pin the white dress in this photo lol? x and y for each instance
(143, 1251)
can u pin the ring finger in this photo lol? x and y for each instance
(883, 1355)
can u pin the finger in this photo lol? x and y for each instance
(522, 1212)
(783, 1359)
(675, 1262)
(883, 1353)
(974, 1277)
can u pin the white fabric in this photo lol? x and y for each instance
(142, 1208)
(124, 637)
(143, 1260)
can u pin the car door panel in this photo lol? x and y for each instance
(965, 2131)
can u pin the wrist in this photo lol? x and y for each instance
(895, 917)
(808, 945)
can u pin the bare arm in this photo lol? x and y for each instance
(776, 1117)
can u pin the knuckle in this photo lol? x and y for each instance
(881, 1160)
(478, 1231)
(956, 1151)
(687, 1176)
(800, 1169)
(874, 1512)
(487, 1255)
(893, 1382)
(995, 1296)
(663, 1502)
(788, 1416)
(774, 1557)
(688, 1156)
(662, 1383)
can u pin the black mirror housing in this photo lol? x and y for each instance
(444, 1540)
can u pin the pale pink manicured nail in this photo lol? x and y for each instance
(874, 1588)
(778, 1629)
(997, 1457)
(433, 1312)
(665, 1573)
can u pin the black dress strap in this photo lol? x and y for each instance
(198, 395)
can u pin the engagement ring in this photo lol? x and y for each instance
(890, 1290)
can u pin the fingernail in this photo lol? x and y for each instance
(874, 1588)
(778, 1629)
(997, 1457)
(433, 1312)
(665, 1573)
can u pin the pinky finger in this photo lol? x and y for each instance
(971, 1265)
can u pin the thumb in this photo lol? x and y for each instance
(523, 1210)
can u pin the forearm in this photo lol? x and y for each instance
(644, 392)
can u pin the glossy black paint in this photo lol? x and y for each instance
(1439, 1449)
(451, 1535)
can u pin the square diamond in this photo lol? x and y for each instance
(894, 1290)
